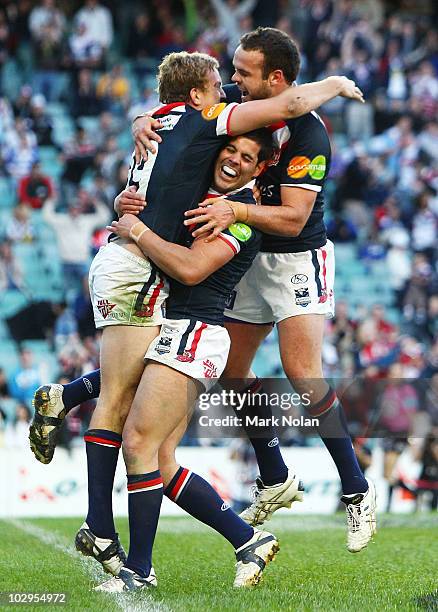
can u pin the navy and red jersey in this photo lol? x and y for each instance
(207, 300)
(176, 178)
(303, 161)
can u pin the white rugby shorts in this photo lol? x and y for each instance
(195, 348)
(126, 289)
(283, 285)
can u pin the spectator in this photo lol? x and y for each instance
(78, 156)
(113, 89)
(99, 23)
(229, 14)
(20, 228)
(83, 99)
(21, 151)
(11, 276)
(47, 25)
(74, 230)
(85, 51)
(40, 122)
(35, 188)
(141, 48)
(26, 378)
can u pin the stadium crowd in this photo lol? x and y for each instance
(72, 77)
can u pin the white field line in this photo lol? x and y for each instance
(125, 601)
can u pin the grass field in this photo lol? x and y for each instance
(195, 567)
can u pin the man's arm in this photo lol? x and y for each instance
(188, 266)
(291, 103)
(285, 220)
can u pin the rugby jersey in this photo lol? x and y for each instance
(303, 160)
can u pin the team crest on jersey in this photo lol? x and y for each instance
(240, 231)
(105, 307)
(163, 345)
(210, 370)
(212, 112)
(302, 297)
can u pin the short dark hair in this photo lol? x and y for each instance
(279, 51)
(262, 137)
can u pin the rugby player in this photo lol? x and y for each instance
(188, 356)
(120, 305)
(291, 281)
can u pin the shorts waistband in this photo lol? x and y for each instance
(145, 263)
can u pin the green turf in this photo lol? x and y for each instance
(195, 567)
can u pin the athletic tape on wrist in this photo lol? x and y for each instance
(137, 231)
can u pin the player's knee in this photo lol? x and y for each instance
(298, 371)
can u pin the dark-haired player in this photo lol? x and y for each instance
(291, 281)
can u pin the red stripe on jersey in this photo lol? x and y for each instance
(196, 339)
(163, 110)
(179, 483)
(276, 126)
(144, 484)
(97, 440)
(228, 119)
(230, 244)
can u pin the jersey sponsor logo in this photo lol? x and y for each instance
(299, 279)
(240, 231)
(169, 330)
(210, 370)
(298, 166)
(318, 167)
(273, 442)
(105, 307)
(212, 112)
(301, 166)
(225, 506)
(302, 297)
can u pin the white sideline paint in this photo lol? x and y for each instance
(90, 567)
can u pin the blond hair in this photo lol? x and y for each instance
(180, 72)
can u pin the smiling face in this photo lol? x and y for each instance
(237, 164)
(248, 75)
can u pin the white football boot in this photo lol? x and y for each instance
(361, 518)
(127, 580)
(253, 557)
(269, 499)
(109, 553)
(47, 420)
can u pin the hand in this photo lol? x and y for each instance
(215, 213)
(257, 194)
(350, 90)
(144, 132)
(129, 201)
(123, 226)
